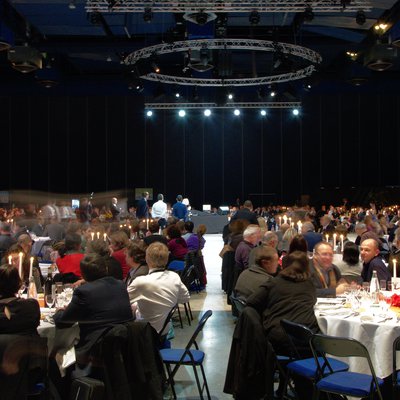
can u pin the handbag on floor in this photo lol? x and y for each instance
(87, 389)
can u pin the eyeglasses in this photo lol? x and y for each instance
(324, 254)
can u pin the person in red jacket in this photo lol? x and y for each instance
(119, 242)
(70, 258)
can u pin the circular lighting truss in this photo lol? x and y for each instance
(227, 44)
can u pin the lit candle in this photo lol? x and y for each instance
(20, 255)
(30, 267)
(299, 225)
(98, 235)
(9, 260)
(280, 221)
(327, 237)
(290, 220)
(292, 224)
(394, 268)
(284, 219)
(92, 234)
(334, 241)
(105, 236)
(341, 243)
(147, 223)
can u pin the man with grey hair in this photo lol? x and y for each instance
(251, 237)
(363, 233)
(270, 239)
(309, 234)
(264, 268)
(327, 226)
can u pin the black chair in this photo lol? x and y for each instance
(238, 305)
(396, 369)
(162, 336)
(187, 356)
(344, 383)
(302, 362)
(24, 366)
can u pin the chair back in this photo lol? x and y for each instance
(339, 347)
(189, 276)
(177, 266)
(238, 305)
(299, 337)
(396, 348)
(199, 328)
(161, 334)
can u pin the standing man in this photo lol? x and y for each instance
(142, 209)
(115, 210)
(246, 213)
(179, 210)
(159, 211)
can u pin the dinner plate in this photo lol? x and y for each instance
(342, 313)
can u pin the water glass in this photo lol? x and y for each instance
(382, 284)
(365, 286)
(50, 299)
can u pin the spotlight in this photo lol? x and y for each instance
(237, 112)
(296, 112)
(147, 15)
(177, 95)
(272, 93)
(360, 17)
(308, 14)
(254, 18)
(149, 113)
(201, 18)
(155, 67)
(111, 4)
(230, 96)
(207, 112)
(263, 113)
(182, 113)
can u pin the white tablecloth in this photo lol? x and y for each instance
(60, 342)
(378, 338)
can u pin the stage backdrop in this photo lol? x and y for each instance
(92, 144)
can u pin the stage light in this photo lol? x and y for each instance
(254, 18)
(296, 112)
(237, 112)
(263, 113)
(230, 96)
(182, 113)
(177, 95)
(207, 112)
(149, 113)
(272, 93)
(155, 67)
(360, 17)
(148, 15)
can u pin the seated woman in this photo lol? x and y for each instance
(350, 266)
(176, 244)
(119, 242)
(13, 255)
(70, 258)
(291, 295)
(196, 240)
(98, 304)
(17, 316)
(298, 243)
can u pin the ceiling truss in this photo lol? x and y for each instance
(221, 6)
(186, 106)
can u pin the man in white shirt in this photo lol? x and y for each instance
(152, 296)
(159, 210)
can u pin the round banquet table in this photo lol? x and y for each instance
(377, 336)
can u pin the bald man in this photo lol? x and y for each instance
(369, 251)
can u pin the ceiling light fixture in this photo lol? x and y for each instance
(207, 112)
(237, 112)
(149, 113)
(360, 17)
(263, 113)
(308, 14)
(182, 113)
(147, 15)
(254, 18)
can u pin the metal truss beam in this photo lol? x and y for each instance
(227, 44)
(202, 106)
(264, 6)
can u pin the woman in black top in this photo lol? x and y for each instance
(17, 316)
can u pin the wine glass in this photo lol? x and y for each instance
(50, 299)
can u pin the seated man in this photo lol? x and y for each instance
(326, 276)
(152, 296)
(266, 264)
(311, 237)
(369, 250)
(91, 306)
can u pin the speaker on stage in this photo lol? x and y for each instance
(223, 210)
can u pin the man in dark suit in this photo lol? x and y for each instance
(96, 305)
(142, 209)
(115, 210)
(309, 234)
(246, 213)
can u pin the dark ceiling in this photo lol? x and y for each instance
(84, 52)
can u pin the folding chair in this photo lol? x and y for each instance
(396, 371)
(162, 337)
(301, 364)
(187, 356)
(345, 383)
